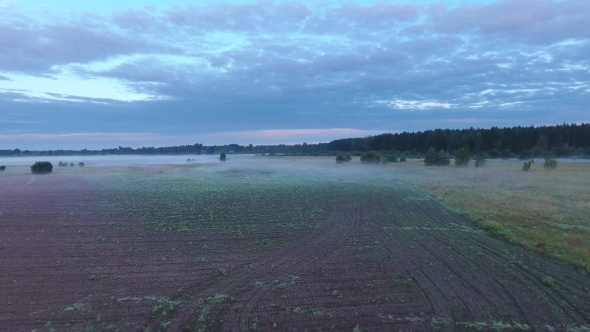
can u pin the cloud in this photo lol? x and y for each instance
(413, 104)
(260, 65)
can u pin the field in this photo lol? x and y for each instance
(297, 244)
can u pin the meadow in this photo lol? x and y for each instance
(304, 244)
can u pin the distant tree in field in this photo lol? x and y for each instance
(81, 164)
(370, 157)
(480, 160)
(2, 168)
(71, 164)
(442, 158)
(390, 158)
(463, 157)
(402, 159)
(62, 164)
(222, 156)
(527, 165)
(550, 161)
(42, 167)
(343, 158)
(430, 157)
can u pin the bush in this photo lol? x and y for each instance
(527, 165)
(42, 167)
(81, 164)
(370, 157)
(463, 157)
(550, 161)
(222, 156)
(390, 158)
(402, 159)
(2, 168)
(442, 158)
(480, 161)
(71, 164)
(343, 158)
(62, 164)
(430, 157)
(439, 158)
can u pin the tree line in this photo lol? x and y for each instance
(524, 142)
(562, 140)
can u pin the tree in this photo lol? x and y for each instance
(370, 157)
(42, 167)
(463, 157)
(81, 164)
(527, 165)
(480, 161)
(390, 158)
(2, 168)
(430, 157)
(442, 158)
(222, 156)
(343, 158)
(550, 161)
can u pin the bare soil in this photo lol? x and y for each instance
(78, 253)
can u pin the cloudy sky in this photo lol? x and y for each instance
(102, 73)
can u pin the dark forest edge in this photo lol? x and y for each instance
(566, 140)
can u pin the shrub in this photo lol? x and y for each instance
(402, 159)
(42, 167)
(439, 158)
(389, 158)
(343, 158)
(370, 157)
(442, 158)
(223, 272)
(430, 157)
(463, 157)
(480, 161)
(550, 161)
(81, 164)
(2, 168)
(62, 164)
(71, 164)
(222, 156)
(527, 165)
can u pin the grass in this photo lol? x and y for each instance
(543, 211)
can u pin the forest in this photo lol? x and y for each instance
(562, 140)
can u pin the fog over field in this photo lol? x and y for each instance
(160, 243)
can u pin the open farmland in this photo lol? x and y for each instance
(289, 245)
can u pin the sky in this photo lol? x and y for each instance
(102, 74)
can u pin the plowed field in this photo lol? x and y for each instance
(171, 248)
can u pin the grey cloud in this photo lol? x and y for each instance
(526, 20)
(36, 49)
(335, 62)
